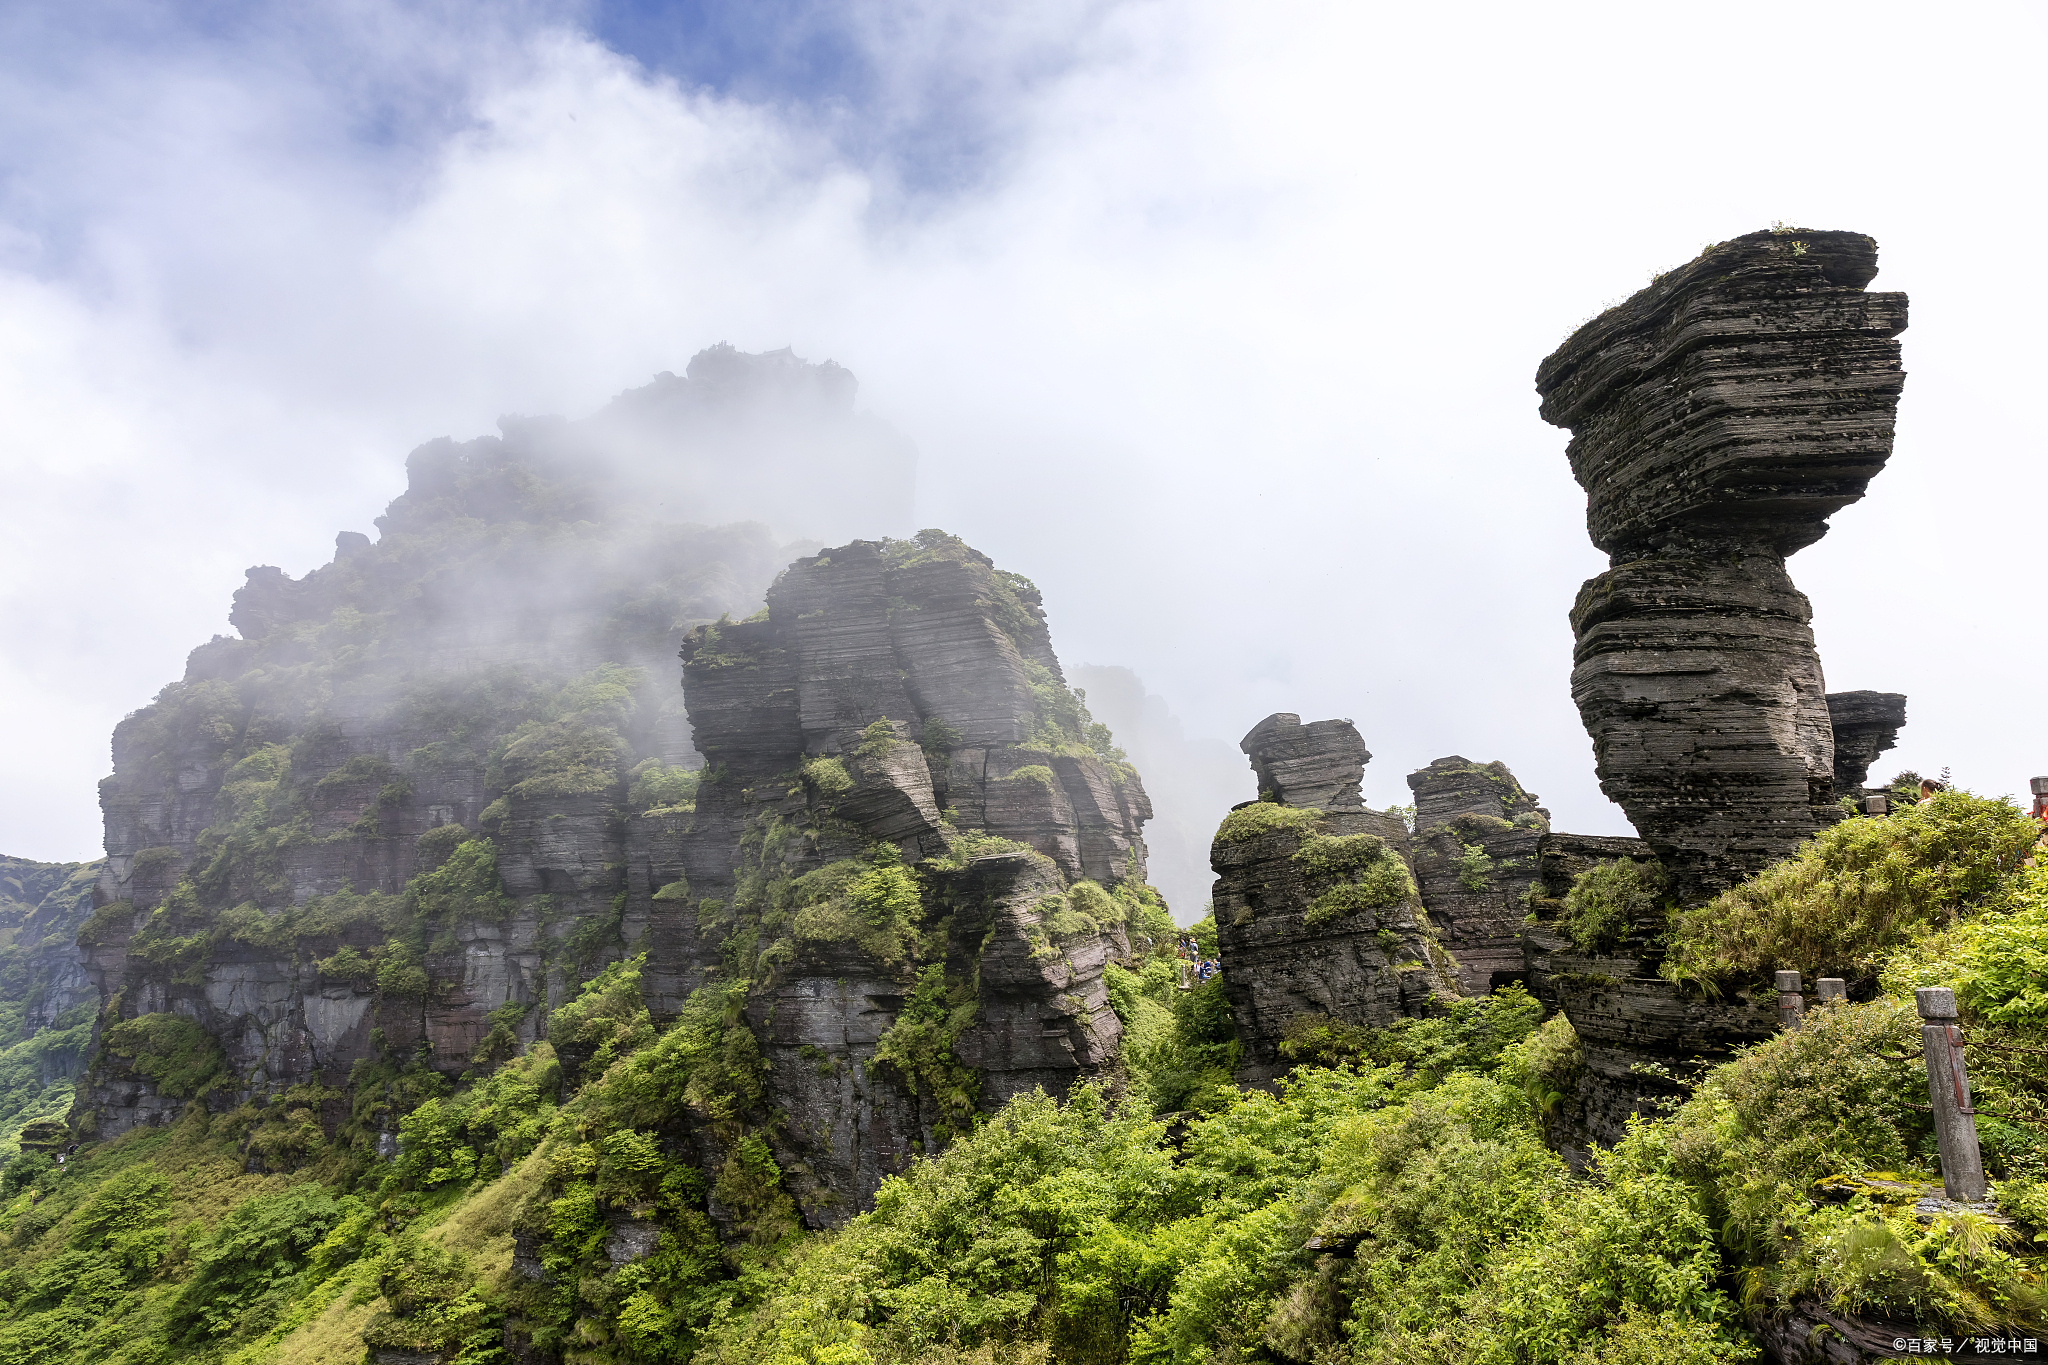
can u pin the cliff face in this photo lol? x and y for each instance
(904, 696)
(443, 780)
(1475, 844)
(1317, 912)
(1718, 418)
(49, 1002)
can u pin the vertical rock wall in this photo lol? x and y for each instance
(1718, 417)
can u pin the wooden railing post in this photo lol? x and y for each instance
(1948, 1090)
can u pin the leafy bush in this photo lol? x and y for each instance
(549, 760)
(179, 1058)
(827, 776)
(654, 785)
(1831, 1098)
(253, 1255)
(465, 886)
(1608, 898)
(1351, 873)
(1261, 818)
(918, 1048)
(606, 1020)
(1856, 891)
(434, 1304)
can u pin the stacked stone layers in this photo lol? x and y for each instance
(1865, 724)
(1642, 1039)
(1364, 969)
(1718, 418)
(1321, 764)
(1699, 683)
(898, 696)
(1476, 834)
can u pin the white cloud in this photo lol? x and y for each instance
(1229, 343)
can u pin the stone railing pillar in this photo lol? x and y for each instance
(1833, 990)
(1948, 1089)
(1791, 1005)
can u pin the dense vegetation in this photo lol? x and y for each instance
(1395, 1201)
(46, 1004)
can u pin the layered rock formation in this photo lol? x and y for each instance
(1718, 417)
(439, 781)
(1642, 1039)
(1865, 724)
(1317, 914)
(442, 781)
(905, 693)
(1474, 855)
(47, 1002)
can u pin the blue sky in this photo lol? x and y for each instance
(1218, 321)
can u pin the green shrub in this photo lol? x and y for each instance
(254, 1255)
(179, 1058)
(562, 758)
(1261, 818)
(827, 776)
(465, 886)
(918, 1048)
(606, 1020)
(1607, 899)
(1831, 1098)
(1856, 891)
(654, 785)
(436, 844)
(1036, 773)
(435, 1305)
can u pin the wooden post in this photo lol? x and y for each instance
(1791, 1006)
(1948, 1089)
(1833, 990)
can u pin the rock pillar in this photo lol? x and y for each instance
(1718, 417)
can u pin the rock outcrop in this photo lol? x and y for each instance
(1476, 834)
(1718, 418)
(1317, 914)
(1865, 724)
(1643, 1040)
(904, 693)
(440, 782)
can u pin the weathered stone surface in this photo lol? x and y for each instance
(1319, 764)
(1718, 417)
(1364, 968)
(370, 701)
(1745, 395)
(1697, 678)
(1865, 724)
(812, 719)
(1644, 1038)
(1474, 855)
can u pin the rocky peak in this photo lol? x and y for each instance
(1743, 397)
(1318, 914)
(1319, 765)
(1718, 418)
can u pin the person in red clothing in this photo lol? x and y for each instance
(2040, 789)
